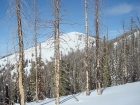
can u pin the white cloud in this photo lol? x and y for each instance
(120, 9)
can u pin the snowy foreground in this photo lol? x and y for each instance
(128, 94)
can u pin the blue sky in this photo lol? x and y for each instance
(112, 14)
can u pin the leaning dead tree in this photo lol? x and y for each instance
(86, 49)
(56, 6)
(98, 73)
(20, 64)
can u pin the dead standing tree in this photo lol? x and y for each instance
(40, 76)
(98, 74)
(35, 41)
(133, 66)
(124, 54)
(86, 49)
(56, 4)
(20, 65)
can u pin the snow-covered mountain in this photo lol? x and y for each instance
(68, 42)
(128, 94)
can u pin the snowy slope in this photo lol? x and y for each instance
(68, 42)
(128, 94)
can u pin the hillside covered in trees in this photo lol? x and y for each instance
(119, 65)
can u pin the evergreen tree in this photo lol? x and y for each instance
(64, 80)
(106, 71)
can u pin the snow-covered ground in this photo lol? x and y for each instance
(128, 94)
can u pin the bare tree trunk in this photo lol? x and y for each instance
(124, 54)
(86, 50)
(98, 84)
(35, 41)
(20, 65)
(132, 50)
(56, 47)
(40, 79)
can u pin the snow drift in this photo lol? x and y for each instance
(128, 94)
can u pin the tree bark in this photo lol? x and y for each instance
(56, 47)
(86, 50)
(124, 55)
(35, 41)
(20, 65)
(97, 47)
(132, 50)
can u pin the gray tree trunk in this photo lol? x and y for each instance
(35, 41)
(20, 65)
(86, 50)
(98, 79)
(56, 47)
(124, 55)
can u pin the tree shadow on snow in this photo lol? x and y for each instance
(102, 90)
(48, 102)
(91, 91)
(63, 100)
(70, 97)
